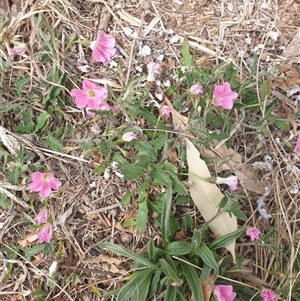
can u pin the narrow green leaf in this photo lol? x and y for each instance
(152, 251)
(137, 288)
(207, 256)
(178, 248)
(127, 253)
(171, 293)
(193, 280)
(142, 216)
(196, 240)
(154, 284)
(226, 239)
(185, 51)
(165, 217)
(169, 271)
(180, 296)
(265, 90)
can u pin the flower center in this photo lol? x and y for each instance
(91, 93)
(46, 178)
(217, 100)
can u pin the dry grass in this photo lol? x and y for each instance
(87, 210)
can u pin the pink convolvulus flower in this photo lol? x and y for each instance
(268, 295)
(104, 48)
(224, 292)
(43, 182)
(223, 96)
(253, 233)
(231, 181)
(196, 89)
(152, 67)
(166, 111)
(42, 217)
(297, 147)
(90, 95)
(129, 136)
(45, 234)
(19, 49)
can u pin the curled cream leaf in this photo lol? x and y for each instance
(207, 197)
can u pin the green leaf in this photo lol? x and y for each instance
(146, 149)
(20, 82)
(196, 240)
(280, 123)
(171, 293)
(23, 128)
(127, 253)
(159, 175)
(137, 288)
(126, 199)
(179, 248)
(154, 284)
(169, 271)
(41, 121)
(265, 90)
(178, 186)
(159, 142)
(54, 144)
(165, 217)
(29, 252)
(236, 210)
(227, 238)
(193, 280)
(185, 51)
(4, 203)
(142, 216)
(132, 171)
(188, 222)
(208, 257)
(152, 251)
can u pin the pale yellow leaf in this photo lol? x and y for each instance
(207, 197)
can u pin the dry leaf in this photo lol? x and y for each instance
(207, 197)
(208, 287)
(28, 240)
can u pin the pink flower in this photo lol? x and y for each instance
(253, 233)
(267, 294)
(104, 48)
(43, 182)
(231, 181)
(45, 234)
(90, 95)
(166, 111)
(42, 217)
(129, 136)
(297, 147)
(224, 293)
(223, 96)
(152, 67)
(196, 89)
(19, 49)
